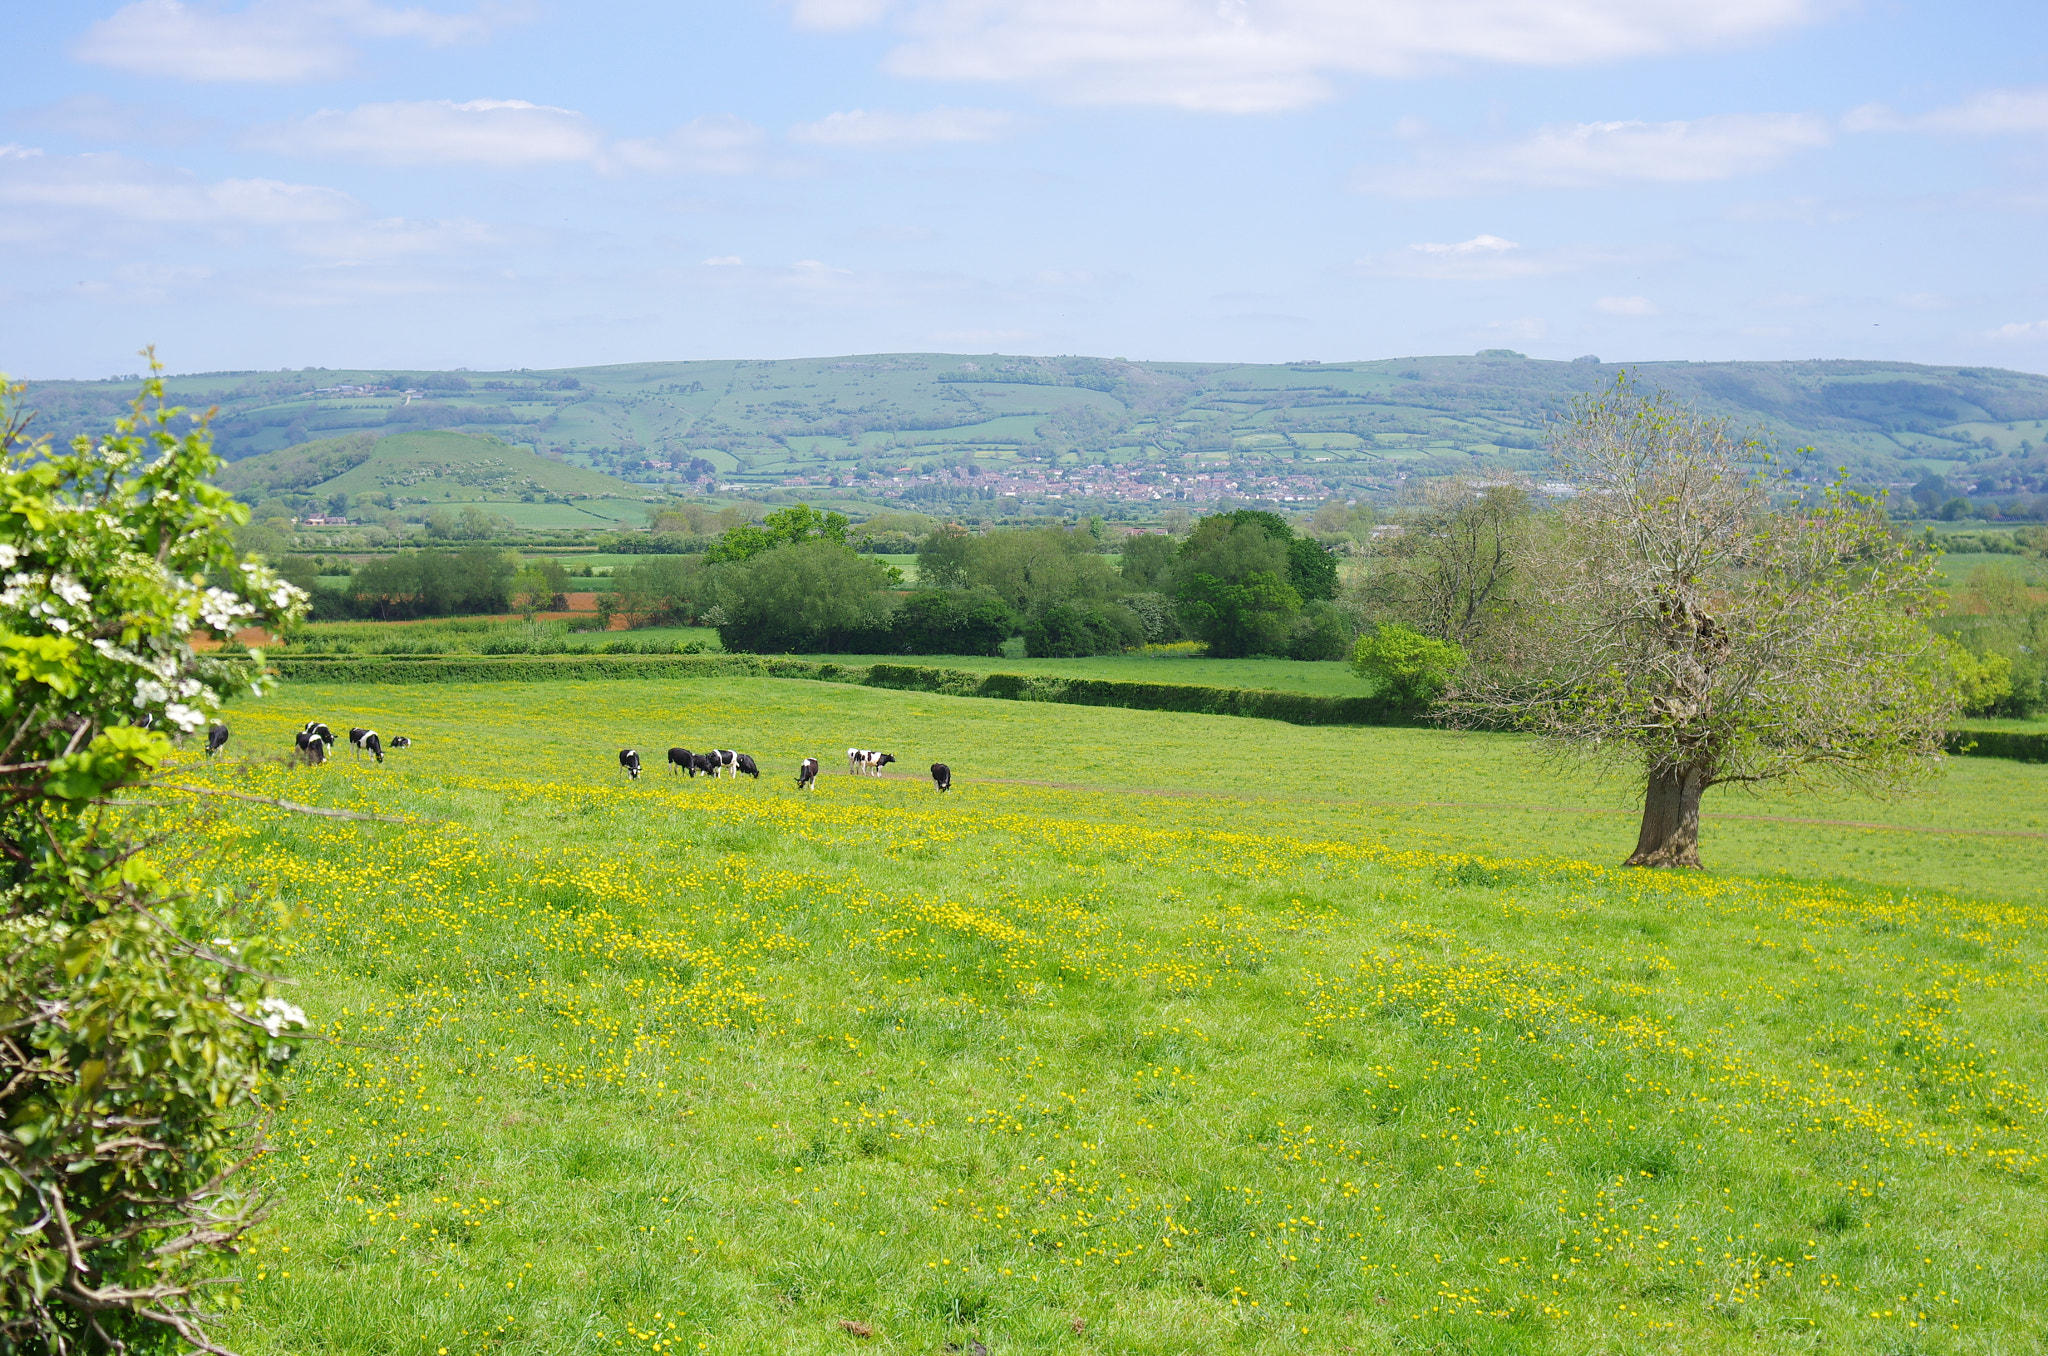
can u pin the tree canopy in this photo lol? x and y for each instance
(1673, 622)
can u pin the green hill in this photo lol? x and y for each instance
(1350, 426)
(427, 468)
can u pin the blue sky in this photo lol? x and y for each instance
(509, 183)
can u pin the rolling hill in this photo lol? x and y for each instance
(432, 468)
(1358, 427)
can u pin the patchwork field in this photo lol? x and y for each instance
(1159, 1034)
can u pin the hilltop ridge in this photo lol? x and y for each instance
(858, 423)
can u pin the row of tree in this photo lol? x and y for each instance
(1243, 582)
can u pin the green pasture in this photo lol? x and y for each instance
(488, 635)
(1322, 678)
(1159, 1034)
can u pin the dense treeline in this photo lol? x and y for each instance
(1243, 582)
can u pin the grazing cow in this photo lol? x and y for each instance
(355, 737)
(371, 743)
(706, 763)
(629, 759)
(401, 742)
(942, 776)
(679, 760)
(725, 759)
(744, 762)
(314, 727)
(807, 775)
(312, 748)
(869, 761)
(216, 736)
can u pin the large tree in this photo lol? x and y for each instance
(1675, 623)
(1450, 571)
(1233, 585)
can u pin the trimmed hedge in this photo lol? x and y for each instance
(2020, 745)
(1293, 707)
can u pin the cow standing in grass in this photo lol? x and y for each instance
(942, 776)
(679, 761)
(369, 743)
(629, 759)
(744, 762)
(706, 763)
(216, 739)
(807, 775)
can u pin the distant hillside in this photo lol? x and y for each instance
(421, 468)
(1354, 426)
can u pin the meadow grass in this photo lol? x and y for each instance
(1322, 678)
(679, 1066)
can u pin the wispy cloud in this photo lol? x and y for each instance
(863, 129)
(718, 143)
(495, 133)
(95, 117)
(1603, 154)
(1238, 57)
(2021, 329)
(1490, 257)
(131, 190)
(1627, 306)
(272, 42)
(1991, 112)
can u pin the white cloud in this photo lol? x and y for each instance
(1991, 112)
(95, 117)
(2022, 329)
(1255, 56)
(863, 130)
(1925, 301)
(1489, 257)
(115, 186)
(1599, 154)
(496, 133)
(718, 143)
(1630, 306)
(1527, 327)
(372, 242)
(725, 261)
(273, 42)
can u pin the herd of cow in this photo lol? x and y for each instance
(316, 739)
(869, 762)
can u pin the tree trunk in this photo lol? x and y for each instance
(1671, 818)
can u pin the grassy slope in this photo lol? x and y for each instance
(1324, 679)
(1407, 407)
(441, 465)
(677, 1066)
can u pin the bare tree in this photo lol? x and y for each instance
(1673, 623)
(1450, 571)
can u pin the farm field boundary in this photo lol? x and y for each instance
(1187, 698)
(1295, 708)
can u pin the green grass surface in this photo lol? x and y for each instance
(485, 635)
(1320, 678)
(1264, 1066)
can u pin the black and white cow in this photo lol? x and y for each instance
(355, 737)
(629, 759)
(369, 743)
(314, 727)
(216, 737)
(312, 748)
(870, 761)
(401, 742)
(744, 762)
(807, 775)
(726, 758)
(942, 776)
(706, 763)
(679, 761)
